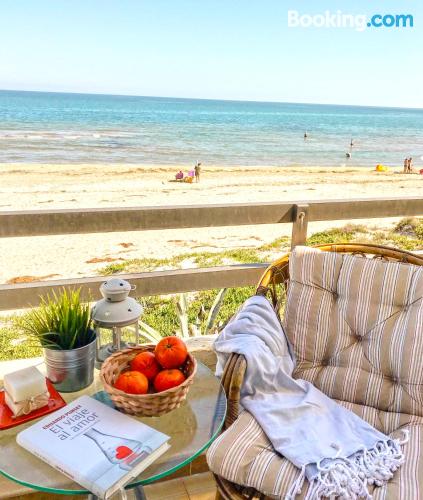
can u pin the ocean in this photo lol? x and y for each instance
(43, 127)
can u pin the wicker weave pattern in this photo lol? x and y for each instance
(148, 405)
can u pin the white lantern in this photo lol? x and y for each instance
(113, 313)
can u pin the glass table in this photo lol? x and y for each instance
(192, 427)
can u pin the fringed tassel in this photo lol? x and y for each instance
(348, 478)
(297, 485)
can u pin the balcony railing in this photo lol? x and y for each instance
(80, 221)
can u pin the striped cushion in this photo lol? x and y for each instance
(244, 455)
(356, 325)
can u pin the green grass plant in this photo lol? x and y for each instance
(13, 344)
(61, 322)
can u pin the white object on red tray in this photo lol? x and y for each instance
(25, 391)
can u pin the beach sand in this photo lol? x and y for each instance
(42, 187)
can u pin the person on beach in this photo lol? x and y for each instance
(197, 171)
(305, 135)
(405, 165)
(410, 165)
(348, 154)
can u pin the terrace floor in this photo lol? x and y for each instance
(199, 486)
(196, 487)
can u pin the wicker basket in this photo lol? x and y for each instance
(151, 404)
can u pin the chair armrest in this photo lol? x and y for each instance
(232, 379)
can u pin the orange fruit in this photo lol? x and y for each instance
(146, 363)
(167, 379)
(171, 352)
(132, 382)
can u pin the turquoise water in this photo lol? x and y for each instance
(81, 128)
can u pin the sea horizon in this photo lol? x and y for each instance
(71, 127)
(147, 96)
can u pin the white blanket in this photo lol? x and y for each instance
(338, 452)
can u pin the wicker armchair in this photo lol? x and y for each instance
(273, 284)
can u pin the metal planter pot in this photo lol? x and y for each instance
(71, 370)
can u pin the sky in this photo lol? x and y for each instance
(216, 49)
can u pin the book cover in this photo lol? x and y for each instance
(95, 445)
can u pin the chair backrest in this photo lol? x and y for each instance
(356, 323)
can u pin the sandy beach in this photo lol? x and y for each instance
(42, 187)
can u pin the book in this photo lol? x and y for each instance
(94, 445)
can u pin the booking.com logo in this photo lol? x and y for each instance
(338, 19)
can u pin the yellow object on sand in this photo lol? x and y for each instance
(188, 179)
(381, 168)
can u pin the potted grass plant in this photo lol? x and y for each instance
(62, 325)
